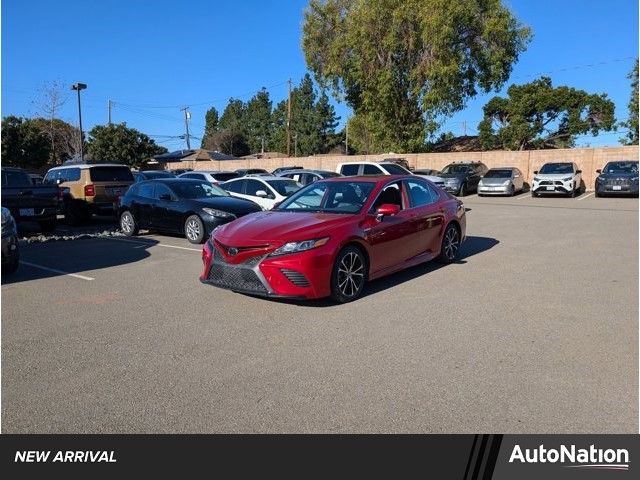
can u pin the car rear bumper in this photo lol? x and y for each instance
(304, 275)
(39, 214)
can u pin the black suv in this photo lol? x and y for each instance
(461, 178)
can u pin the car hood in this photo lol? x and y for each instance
(279, 227)
(237, 206)
(494, 180)
(553, 176)
(618, 175)
(444, 176)
(431, 178)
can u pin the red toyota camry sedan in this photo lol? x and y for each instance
(330, 237)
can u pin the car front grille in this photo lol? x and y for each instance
(549, 183)
(617, 181)
(296, 278)
(236, 277)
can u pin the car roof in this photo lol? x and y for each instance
(369, 178)
(308, 170)
(503, 168)
(89, 165)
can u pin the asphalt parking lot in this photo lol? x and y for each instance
(535, 329)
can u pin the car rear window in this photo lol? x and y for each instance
(111, 174)
(15, 178)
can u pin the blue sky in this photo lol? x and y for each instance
(149, 54)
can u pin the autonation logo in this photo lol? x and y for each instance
(592, 457)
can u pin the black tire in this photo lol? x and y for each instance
(450, 248)
(128, 224)
(598, 194)
(75, 213)
(48, 225)
(463, 190)
(573, 193)
(12, 265)
(533, 194)
(349, 275)
(194, 229)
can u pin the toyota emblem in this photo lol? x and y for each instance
(232, 251)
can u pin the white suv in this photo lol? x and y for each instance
(562, 178)
(351, 169)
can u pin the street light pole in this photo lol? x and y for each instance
(77, 87)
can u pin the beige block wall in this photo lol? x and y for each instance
(587, 159)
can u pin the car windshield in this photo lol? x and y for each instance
(194, 189)
(110, 174)
(15, 178)
(621, 167)
(554, 168)
(505, 173)
(456, 169)
(223, 177)
(284, 187)
(329, 197)
(394, 169)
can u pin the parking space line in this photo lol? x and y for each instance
(524, 195)
(156, 244)
(586, 196)
(54, 270)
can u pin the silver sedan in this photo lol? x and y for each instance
(501, 181)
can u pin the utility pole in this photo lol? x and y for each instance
(346, 138)
(109, 107)
(187, 116)
(464, 127)
(262, 144)
(78, 87)
(295, 144)
(289, 121)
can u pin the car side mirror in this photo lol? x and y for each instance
(598, 171)
(165, 196)
(578, 171)
(261, 194)
(386, 210)
(535, 172)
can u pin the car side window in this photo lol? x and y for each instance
(144, 190)
(390, 194)
(349, 170)
(253, 186)
(420, 193)
(162, 190)
(73, 175)
(235, 187)
(371, 170)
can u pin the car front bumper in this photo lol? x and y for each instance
(553, 187)
(621, 189)
(303, 275)
(494, 189)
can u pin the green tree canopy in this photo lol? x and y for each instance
(234, 125)
(259, 125)
(536, 115)
(119, 143)
(211, 125)
(400, 64)
(24, 144)
(631, 137)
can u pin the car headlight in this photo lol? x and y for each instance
(634, 179)
(506, 183)
(8, 223)
(295, 247)
(536, 179)
(567, 179)
(599, 179)
(218, 213)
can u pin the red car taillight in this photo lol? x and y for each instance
(89, 191)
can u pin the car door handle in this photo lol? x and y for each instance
(26, 192)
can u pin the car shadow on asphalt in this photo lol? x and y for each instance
(58, 258)
(472, 246)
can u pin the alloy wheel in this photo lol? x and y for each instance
(451, 243)
(192, 230)
(350, 274)
(126, 223)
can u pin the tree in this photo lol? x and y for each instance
(536, 115)
(51, 98)
(233, 122)
(23, 143)
(227, 141)
(400, 64)
(632, 122)
(211, 125)
(259, 126)
(313, 122)
(117, 142)
(65, 139)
